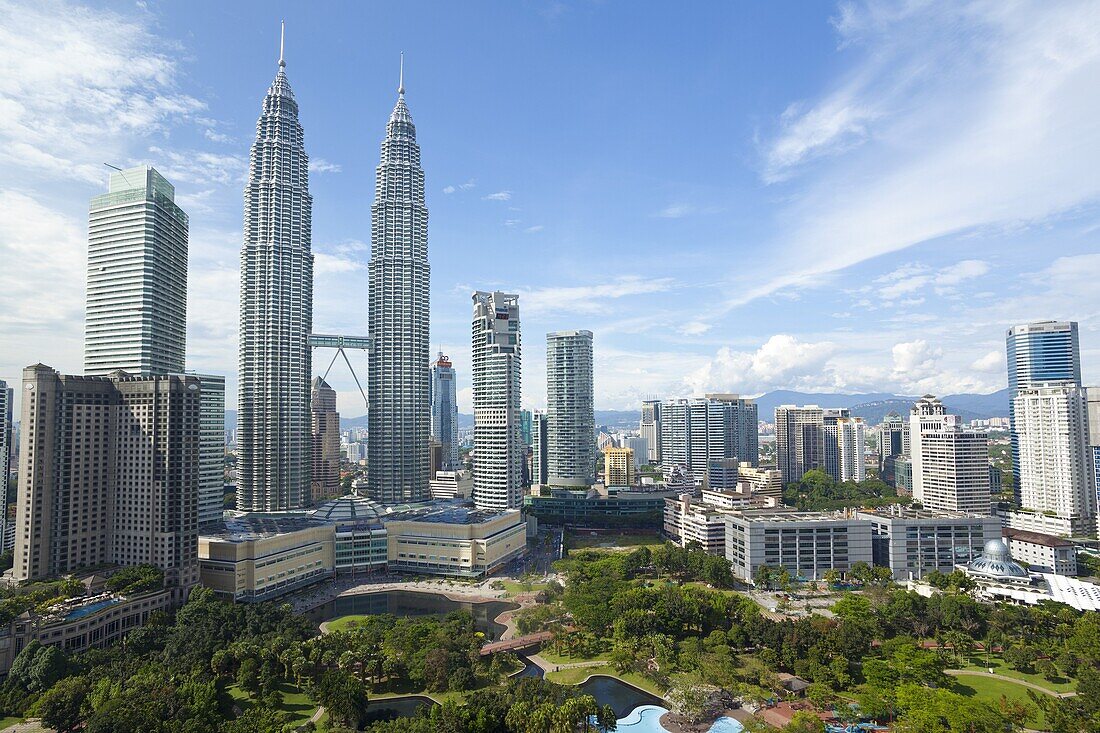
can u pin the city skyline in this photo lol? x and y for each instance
(975, 276)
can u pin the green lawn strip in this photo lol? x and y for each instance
(344, 622)
(553, 658)
(295, 702)
(991, 690)
(9, 721)
(576, 675)
(612, 541)
(439, 697)
(512, 587)
(977, 663)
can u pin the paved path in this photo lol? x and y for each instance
(548, 666)
(1006, 678)
(316, 718)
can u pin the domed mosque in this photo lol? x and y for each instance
(996, 564)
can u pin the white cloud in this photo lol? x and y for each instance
(533, 229)
(499, 196)
(448, 189)
(829, 128)
(675, 211)
(913, 277)
(993, 362)
(782, 361)
(77, 84)
(198, 167)
(588, 299)
(320, 165)
(988, 125)
(696, 328)
(216, 137)
(915, 360)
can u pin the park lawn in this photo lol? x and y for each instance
(631, 540)
(9, 721)
(439, 697)
(577, 675)
(990, 690)
(343, 623)
(553, 658)
(515, 587)
(977, 663)
(295, 702)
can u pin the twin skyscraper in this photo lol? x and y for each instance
(276, 315)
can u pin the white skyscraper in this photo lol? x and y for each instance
(571, 426)
(498, 448)
(276, 316)
(444, 400)
(7, 397)
(950, 463)
(698, 432)
(650, 428)
(399, 415)
(850, 438)
(136, 315)
(1056, 489)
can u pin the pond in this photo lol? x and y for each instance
(411, 603)
(647, 719)
(619, 695)
(391, 708)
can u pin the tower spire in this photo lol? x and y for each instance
(282, 43)
(401, 78)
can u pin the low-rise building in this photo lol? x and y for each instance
(256, 557)
(913, 542)
(598, 506)
(760, 481)
(452, 485)
(806, 544)
(1043, 553)
(686, 520)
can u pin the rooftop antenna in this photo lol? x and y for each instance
(282, 42)
(115, 167)
(401, 79)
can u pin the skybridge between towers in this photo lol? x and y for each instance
(340, 343)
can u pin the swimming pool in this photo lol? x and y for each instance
(647, 719)
(85, 610)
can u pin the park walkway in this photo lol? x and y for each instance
(1006, 678)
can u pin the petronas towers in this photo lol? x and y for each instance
(276, 316)
(274, 434)
(399, 411)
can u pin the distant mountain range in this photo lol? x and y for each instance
(871, 406)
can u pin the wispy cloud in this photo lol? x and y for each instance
(533, 229)
(589, 299)
(320, 165)
(216, 137)
(985, 126)
(460, 187)
(499, 196)
(198, 167)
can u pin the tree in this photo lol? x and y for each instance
(804, 722)
(248, 675)
(762, 577)
(343, 697)
(61, 706)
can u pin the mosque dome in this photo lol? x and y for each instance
(996, 562)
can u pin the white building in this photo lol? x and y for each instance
(686, 521)
(136, 315)
(640, 446)
(914, 542)
(7, 398)
(1055, 484)
(274, 431)
(950, 464)
(807, 544)
(571, 422)
(760, 481)
(452, 485)
(651, 430)
(697, 432)
(1043, 553)
(498, 447)
(850, 438)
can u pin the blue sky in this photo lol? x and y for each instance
(731, 196)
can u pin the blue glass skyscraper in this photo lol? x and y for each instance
(1043, 351)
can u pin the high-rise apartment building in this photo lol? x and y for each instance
(618, 466)
(1056, 485)
(276, 314)
(950, 464)
(851, 436)
(325, 423)
(444, 401)
(1043, 351)
(211, 448)
(136, 315)
(398, 418)
(1093, 394)
(7, 399)
(830, 417)
(651, 429)
(571, 429)
(498, 449)
(525, 429)
(108, 474)
(799, 440)
(696, 432)
(640, 446)
(539, 435)
(893, 441)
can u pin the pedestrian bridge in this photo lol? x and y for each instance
(520, 642)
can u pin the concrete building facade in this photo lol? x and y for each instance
(806, 544)
(325, 422)
(571, 422)
(799, 440)
(913, 542)
(950, 463)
